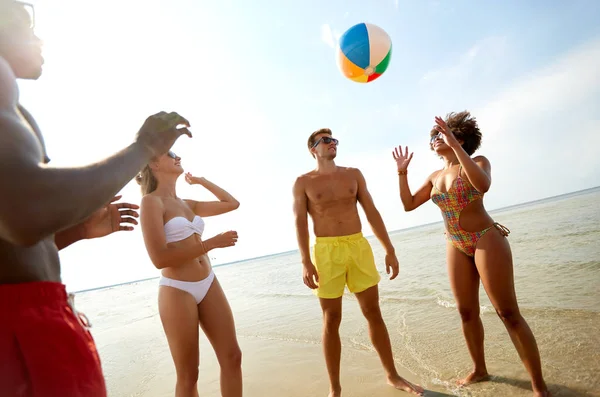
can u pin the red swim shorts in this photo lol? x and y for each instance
(45, 351)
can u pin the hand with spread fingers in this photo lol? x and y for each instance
(111, 218)
(402, 159)
(447, 134)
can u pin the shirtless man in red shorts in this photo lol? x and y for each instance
(44, 348)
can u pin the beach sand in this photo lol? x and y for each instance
(270, 368)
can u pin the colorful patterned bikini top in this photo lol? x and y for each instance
(452, 202)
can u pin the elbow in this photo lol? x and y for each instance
(301, 224)
(160, 260)
(484, 187)
(235, 204)
(22, 238)
(408, 206)
(161, 264)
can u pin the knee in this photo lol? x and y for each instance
(232, 359)
(188, 378)
(468, 314)
(372, 313)
(332, 320)
(510, 317)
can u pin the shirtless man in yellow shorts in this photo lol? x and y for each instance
(341, 255)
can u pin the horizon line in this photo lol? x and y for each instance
(496, 210)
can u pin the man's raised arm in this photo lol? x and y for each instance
(37, 200)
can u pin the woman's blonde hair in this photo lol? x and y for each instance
(146, 180)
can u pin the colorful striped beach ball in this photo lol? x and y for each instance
(364, 52)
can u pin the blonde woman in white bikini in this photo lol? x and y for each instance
(189, 293)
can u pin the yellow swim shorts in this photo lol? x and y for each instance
(344, 260)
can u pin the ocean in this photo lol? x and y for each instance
(556, 252)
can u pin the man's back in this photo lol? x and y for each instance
(332, 201)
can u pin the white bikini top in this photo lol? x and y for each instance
(180, 228)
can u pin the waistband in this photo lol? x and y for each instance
(37, 293)
(339, 239)
(162, 279)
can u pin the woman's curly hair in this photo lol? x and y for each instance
(465, 128)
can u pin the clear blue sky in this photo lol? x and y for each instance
(256, 78)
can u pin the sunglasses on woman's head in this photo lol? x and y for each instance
(327, 140)
(171, 155)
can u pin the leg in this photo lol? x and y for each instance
(179, 317)
(332, 346)
(493, 258)
(369, 304)
(464, 281)
(216, 320)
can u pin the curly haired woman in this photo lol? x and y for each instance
(477, 247)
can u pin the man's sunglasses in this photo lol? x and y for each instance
(326, 140)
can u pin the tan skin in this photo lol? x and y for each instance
(491, 264)
(187, 260)
(330, 194)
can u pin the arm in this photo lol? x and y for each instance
(301, 220)
(226, 203)
(33, 203)
(66, 237)
(478, 169)
(162, 256)
(109, 219)
(373, 215)
(410, 201)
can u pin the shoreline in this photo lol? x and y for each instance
(371, 236)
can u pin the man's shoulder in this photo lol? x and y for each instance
(306, 176)
(9, 92)
(347, 169)
(351, 171)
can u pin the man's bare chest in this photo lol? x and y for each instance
(324, 190)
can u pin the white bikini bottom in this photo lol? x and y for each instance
(197, 289)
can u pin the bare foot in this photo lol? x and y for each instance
(335, 393)
(402, 384)
(544, 393)
(473, 377)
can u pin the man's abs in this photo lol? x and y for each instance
(335, 221)
(38, 262)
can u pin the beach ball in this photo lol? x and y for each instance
(364, 52)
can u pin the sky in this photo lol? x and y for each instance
(256, 78)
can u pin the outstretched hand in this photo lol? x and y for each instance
(111, 218)
(402, 160)
(447, 134)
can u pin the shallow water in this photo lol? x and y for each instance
(556, 251)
